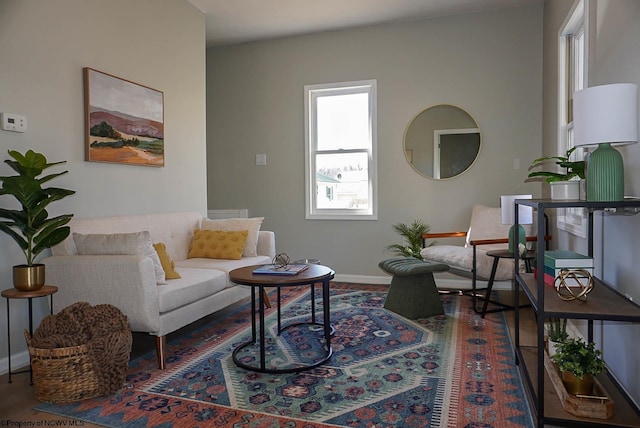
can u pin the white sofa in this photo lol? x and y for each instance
(129, 282)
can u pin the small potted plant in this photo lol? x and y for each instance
(30, 226)
(563, 184)
(412, 235)
(578, 362)
(556, 333)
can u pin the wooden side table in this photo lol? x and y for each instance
(13, 293)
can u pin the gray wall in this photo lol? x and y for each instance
(614, 58)
(489, 64)
(45, 45)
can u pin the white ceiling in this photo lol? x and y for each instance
(238, 21)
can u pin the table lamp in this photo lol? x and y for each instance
(605, 116)
(525, 216)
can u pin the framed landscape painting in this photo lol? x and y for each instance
(124, 121)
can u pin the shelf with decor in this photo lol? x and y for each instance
(603, 303)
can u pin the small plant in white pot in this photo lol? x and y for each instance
(578, 363)
(564, 185)
(556, 333)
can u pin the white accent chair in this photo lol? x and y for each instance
(486, 233)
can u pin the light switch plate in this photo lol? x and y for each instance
(13, 122)
(261, 159)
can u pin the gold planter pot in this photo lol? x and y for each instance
(577, 386)
(28, 278)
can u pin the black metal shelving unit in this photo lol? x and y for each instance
(603, 303)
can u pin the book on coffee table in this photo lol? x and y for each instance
(280, 270)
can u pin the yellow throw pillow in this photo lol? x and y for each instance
(165, 259)
(218, 244)
(231, 224)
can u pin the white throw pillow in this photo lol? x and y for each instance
(138, 243)
(252, 225)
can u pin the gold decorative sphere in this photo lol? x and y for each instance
(573, 284)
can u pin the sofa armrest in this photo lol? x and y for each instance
(127, 282)
(266, 243)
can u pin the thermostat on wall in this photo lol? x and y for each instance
(13, 122)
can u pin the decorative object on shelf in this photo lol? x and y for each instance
(556, 333)
(597, 405)
(525, 216)
(606, 116)
(281, 260)
(574, 284)
(578, 362)
(412, 235)
(31, 227)
(564, 185)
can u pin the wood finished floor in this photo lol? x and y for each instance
(18, 397)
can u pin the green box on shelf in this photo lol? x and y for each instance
(567, 259)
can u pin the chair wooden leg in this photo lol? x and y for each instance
(161, 345)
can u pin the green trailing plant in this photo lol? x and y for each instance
(557, 329)
(413, 242)
(571, 168)
(579, 358)
(31, 226)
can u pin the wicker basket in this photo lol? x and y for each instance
(62, 375)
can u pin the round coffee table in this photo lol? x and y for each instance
(314, 274)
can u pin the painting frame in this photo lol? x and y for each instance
(124, 121)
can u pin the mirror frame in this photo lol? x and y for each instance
(433, 148)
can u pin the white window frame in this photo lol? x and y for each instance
(311, 93)
(572, 63)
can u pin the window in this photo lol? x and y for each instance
(340, 151)
(572, 76)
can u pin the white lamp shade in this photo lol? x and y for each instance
(606, 114)
(525, 213)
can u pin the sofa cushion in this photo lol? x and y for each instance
(168, 265)
(138, 243)
(195, 284)
(218, 244)
(225, 266)
(461, 258)
(252, 225)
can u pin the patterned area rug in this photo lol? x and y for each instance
(454, 370)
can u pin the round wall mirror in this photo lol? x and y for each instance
(442, 142)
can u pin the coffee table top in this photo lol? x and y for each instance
(315, 273)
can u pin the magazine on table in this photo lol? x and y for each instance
(280, 270)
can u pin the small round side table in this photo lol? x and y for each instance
(497, 255)
(13, 293)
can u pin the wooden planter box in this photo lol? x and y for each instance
(600, 406)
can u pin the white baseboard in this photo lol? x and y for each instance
(363, 279)
(444, 283)
(18, 362)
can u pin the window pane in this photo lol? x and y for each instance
(343, 122)
(342, 181)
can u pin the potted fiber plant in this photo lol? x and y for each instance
(556, 333)
(412, 242)
(563, 184)
(30, 226)
(578, 362)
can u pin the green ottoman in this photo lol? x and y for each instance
(413, 292)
